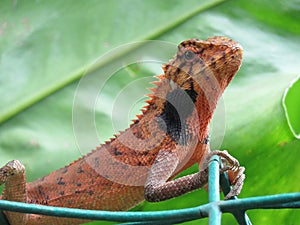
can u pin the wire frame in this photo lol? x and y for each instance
(213, 209)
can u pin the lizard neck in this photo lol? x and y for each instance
(209, 90)
(184, 111)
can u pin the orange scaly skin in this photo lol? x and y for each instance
(170, 136)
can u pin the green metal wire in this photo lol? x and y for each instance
(235, 206)
(215, 214)
(181, 214)
(3, 219)
(240, 215)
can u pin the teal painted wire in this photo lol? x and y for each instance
(181, 214)
(291, 200)
(215, 214)
(240, 215)
(3, 220)
(290, 205)
(213, 181)
(262, 202)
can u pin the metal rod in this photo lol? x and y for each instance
(215, 213)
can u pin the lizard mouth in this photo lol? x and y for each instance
(221, 53)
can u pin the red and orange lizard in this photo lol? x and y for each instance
(169, 136)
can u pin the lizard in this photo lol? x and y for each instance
(170, 135)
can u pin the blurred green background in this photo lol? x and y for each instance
(46, 46)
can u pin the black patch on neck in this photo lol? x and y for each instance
(178, 106)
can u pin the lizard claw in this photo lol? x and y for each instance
(237, 183)
(232, 166)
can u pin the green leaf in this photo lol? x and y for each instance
(46, 47)
(292, 107)
(48, 44)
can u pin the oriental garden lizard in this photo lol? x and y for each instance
(140, 163)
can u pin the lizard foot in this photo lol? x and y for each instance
(13, 176)
(11, 169)
(235, 171)
(238, 181)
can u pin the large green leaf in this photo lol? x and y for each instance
(291, 107)
(46, 45)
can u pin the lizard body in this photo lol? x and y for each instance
(169, 136)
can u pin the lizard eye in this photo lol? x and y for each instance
(189, 55)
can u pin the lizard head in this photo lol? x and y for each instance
(197, 76)
(212, 62)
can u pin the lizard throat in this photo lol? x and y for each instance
(177, 109)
